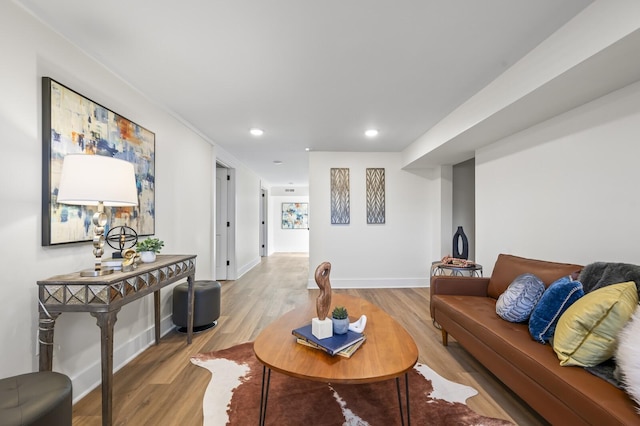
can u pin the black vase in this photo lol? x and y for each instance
(458, 237)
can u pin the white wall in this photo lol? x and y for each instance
(247, 219)
(395, 254)
(287, 240)
(184, 165)
(566, 189)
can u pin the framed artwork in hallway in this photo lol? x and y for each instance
(295, 215)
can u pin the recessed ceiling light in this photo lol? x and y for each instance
(277, 162)
(307, 149)
(256, 132)
(371, 133)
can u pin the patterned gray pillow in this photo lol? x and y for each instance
(519, 299)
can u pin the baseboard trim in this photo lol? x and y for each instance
(374, 283)
(90, 378)
(246, 268)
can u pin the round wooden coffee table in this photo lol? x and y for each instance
(388, 353)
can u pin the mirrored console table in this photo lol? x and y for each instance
(102, 297)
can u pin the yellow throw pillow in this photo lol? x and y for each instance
(586, 333)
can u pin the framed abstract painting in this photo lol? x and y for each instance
(295, 215)
(74, 124)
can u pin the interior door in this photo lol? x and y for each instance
(264, 251)
(222, 229)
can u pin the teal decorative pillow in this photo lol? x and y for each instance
(554, 301)
(519, 299)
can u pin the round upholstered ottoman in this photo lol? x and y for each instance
(206, 305)
(42, 399)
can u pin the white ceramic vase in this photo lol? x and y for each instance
(148, 256)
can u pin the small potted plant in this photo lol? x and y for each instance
(340, 319)
(148, 249)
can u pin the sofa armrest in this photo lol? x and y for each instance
(463, 286)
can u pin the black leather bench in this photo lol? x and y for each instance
(40, 399)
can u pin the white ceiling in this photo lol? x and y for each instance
(310, 74)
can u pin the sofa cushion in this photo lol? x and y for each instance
(628, 356)
(517, 302)
(508, 267)
(586, 333)
(555, 300)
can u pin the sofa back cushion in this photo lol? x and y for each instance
(508, 267)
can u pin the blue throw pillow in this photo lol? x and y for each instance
(519, 299)
(555, 300)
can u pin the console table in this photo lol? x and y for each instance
(102, 297)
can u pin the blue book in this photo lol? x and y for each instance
(331, 345)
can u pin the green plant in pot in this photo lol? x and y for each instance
(148, 249)
(340, 319)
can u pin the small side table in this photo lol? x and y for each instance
(439, 268)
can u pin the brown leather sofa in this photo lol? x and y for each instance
(465, 308)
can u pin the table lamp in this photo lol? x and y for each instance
(97, 180)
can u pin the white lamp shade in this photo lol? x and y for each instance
(89, 179)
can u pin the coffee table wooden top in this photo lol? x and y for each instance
(388, 352)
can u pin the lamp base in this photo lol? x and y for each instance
(96, 273)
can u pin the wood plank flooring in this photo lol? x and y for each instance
(162, 387)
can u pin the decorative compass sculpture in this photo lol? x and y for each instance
(121, 238)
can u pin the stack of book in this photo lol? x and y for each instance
(339, 344)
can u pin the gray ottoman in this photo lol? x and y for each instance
(206, 305)
(41, 399)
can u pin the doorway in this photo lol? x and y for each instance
(463, 202)
(225, 256)
(264, 223)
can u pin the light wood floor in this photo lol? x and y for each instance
(162, 387)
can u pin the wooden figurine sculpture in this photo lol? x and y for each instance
(323, 302)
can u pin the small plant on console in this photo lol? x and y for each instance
(150, 244)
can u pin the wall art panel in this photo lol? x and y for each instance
(340, 202)
(375, 196)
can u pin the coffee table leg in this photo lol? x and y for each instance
(264, 394)
(406, 383)
(406, 394)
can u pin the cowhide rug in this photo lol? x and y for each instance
(233, 397)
